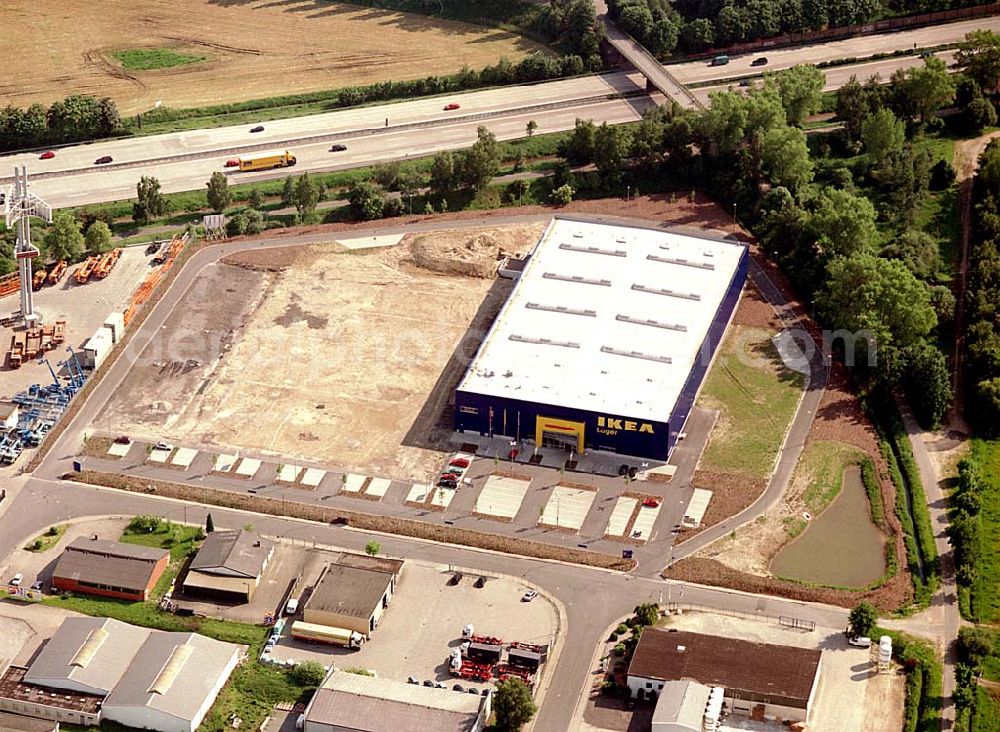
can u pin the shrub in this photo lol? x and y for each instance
(145, 523)
(942, 175)
(562, 195)
(309, 673)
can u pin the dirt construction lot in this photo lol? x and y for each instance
(252, 49)
(346, 358)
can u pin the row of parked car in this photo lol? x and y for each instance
(453, 472)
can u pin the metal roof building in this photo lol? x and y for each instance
(109, 568)
(350, 703)
(229, 565)
(143, 678)
(605, 339)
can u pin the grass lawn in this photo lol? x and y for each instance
(985, 599)
(250, 694)
(147, 59)
(756, 397)
(181, 540)
(824, 462)
(47, 540)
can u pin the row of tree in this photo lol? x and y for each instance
(73, 119)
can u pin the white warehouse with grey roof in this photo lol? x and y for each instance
(605, 340)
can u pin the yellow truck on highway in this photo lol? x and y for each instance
(267, 160)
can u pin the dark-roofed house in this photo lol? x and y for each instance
(229, 565)
(96, 669)
(760, 679)
(349, 597)
(17, 723)
(351, 703)
(109, 568)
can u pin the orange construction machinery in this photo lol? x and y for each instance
(8, 284)
(166, 258)
(106, 263)
(56, 273)
(26, 344)
(38, 279)
(84, 271)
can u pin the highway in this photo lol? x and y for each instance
(695, 72)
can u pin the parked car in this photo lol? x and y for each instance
(36, 585)
(161, 445)
(759, 61)
(529, 596)
(447, 483)
(47, 155)
(452, 106)
(123, 440)
(651, 502)
(449, 476)
(292, 606)
(860, 641)
(104, 160)
(153, 247)
(459, 463)
(338, 148)
(15, 581)
(258, 128)
(233, 163)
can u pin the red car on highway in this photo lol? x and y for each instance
(451, 107)
(233, 163)
(47, 155)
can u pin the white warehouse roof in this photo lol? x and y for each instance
(605, 318)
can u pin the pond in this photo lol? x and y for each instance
(842, 547)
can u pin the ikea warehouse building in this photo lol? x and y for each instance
(605, 340)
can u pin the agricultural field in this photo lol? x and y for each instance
(187, 53)
(324, 353)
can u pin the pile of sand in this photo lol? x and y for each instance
(472, 256)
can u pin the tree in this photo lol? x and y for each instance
(562, 195)
(863, 620)
(309, 673)
(150, 202)
(979, 57)
(513, 705)
(531, 127)
(904, 176)
(785, 158)
(306, 197)
(442, 180)
(579, 148)
(647, 614)
(697, 35)
(801, 91)
(882, 133)
(866, 294)
(732, 25)
(372, 548)
(481, 161)
(366, 201)
(98, 238)
(977, 114)
(209, 524)
(610, 151)
(255, 199)
(929, 88)
(218, 194)
(927, 383)
(853, 106)
(144, 524)
(721, 126)
(288, 192)
(843, 223)
(63, 240)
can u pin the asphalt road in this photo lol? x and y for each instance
(593, 599)
(693, 72)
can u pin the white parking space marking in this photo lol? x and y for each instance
(620, 515)
(159, 456)
(442, 497)
(312, 477)
(248, 467)
(501, 496)
(378, 487)
(353, 482)
(567, 507)
(289, 473)
(418, 493)
(119, 450)
(643, 525)
(184, 457)
(224, 463)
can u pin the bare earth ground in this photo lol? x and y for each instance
(347, 357)
(254, 49)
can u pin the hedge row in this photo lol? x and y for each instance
(922, 709)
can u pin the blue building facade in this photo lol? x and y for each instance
(578, 429)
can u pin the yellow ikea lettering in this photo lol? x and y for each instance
(616, 423)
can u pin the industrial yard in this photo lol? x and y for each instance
(236, 51)
(265, 368)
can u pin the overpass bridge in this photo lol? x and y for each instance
(657, 76)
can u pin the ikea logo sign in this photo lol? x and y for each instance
(612, 425)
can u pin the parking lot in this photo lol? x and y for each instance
(424, 622)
